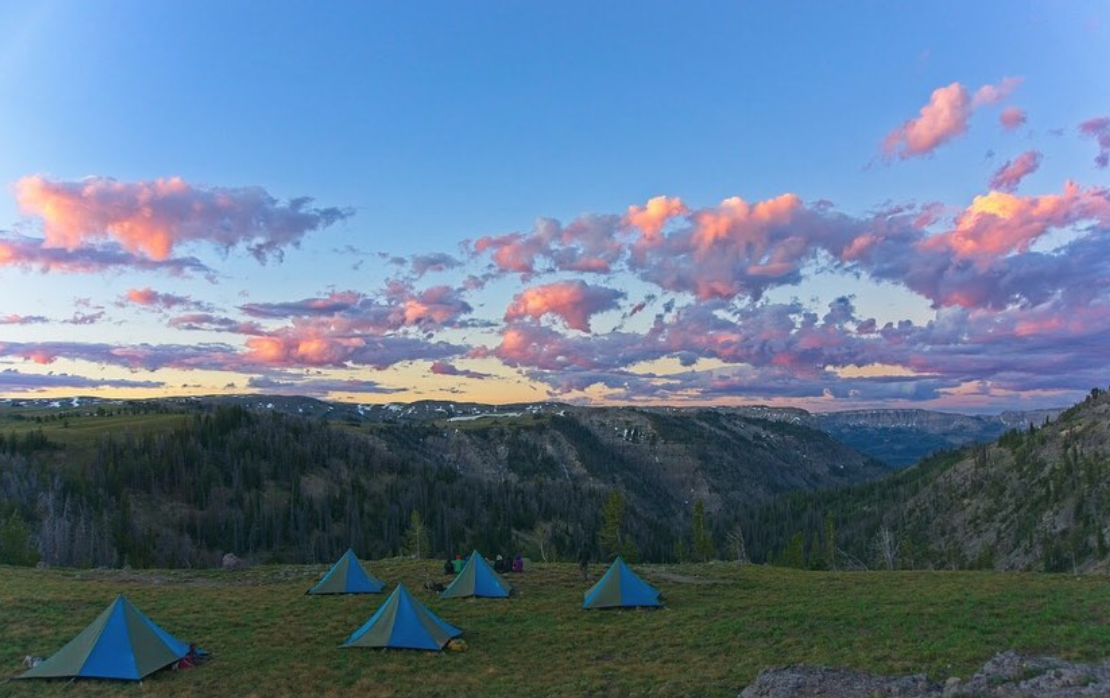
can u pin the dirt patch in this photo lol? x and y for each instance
(686, 578)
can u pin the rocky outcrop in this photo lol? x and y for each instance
(1006, 675)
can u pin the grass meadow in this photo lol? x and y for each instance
(722, 624)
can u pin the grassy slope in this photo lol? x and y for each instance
(722, 625)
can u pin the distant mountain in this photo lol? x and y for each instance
(180, 481)
(903, 437)
(1035, 499)
(897, 437)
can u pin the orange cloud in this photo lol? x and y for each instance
(574, 301)
(998, 223)
(152, 218)
(653, 216)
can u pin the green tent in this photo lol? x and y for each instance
(121, 643)
(347, 577)
(402, 622)
(477, 579)
(621, 588)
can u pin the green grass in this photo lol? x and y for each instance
(79, 432)
(722, 624)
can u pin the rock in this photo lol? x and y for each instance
(1005, 675)
(233, 562)
(951, 687)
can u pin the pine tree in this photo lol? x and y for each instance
(416, 537)
(15, 542)
(793, 555)
(611, 538)
(702, 539)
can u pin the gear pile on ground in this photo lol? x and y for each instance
(1006, 675)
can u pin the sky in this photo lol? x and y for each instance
(824, 205)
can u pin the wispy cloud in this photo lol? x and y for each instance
(1009, 176)
(13, 381)
(33, 254)
(1099, 130)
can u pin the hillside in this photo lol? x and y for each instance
(1036, 499)
(722, 624)
(180, 482)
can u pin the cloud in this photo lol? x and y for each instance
(33, 254)
(149, 298)
(1099, 130)
(207, 322)
(438, 261)
(299, 347)
(1012, 118)
(17, 319)
(998, 223)
(943, 119)
(148, 357)
(13, 381)
(573, 301)
(443, 368)
(331, 304)
(651, 218)
(1009, 176)
(317, 387)
(150, 219)
(993, 94)
(587, 244)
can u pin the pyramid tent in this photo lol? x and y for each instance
(477, 579)
(621, 588)
(347, 577)
(402, 622)
(121, 643)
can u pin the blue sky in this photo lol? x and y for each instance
(420, 129)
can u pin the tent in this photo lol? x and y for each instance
(347, 577)
(477, 579)
(121, 643)
(402, 622)
(621, 588)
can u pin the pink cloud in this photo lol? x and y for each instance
(17, 319)
(944, 118)
(1012, 118)
(149, 298)
(587, 244)
(993, 94)
(1099, 130)
(150, 219)
(573, 301)
(1009, 176)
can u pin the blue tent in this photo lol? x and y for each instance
(402, 622)
(477, 579)
(621, 588)
(347, 577)
(121, 643)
